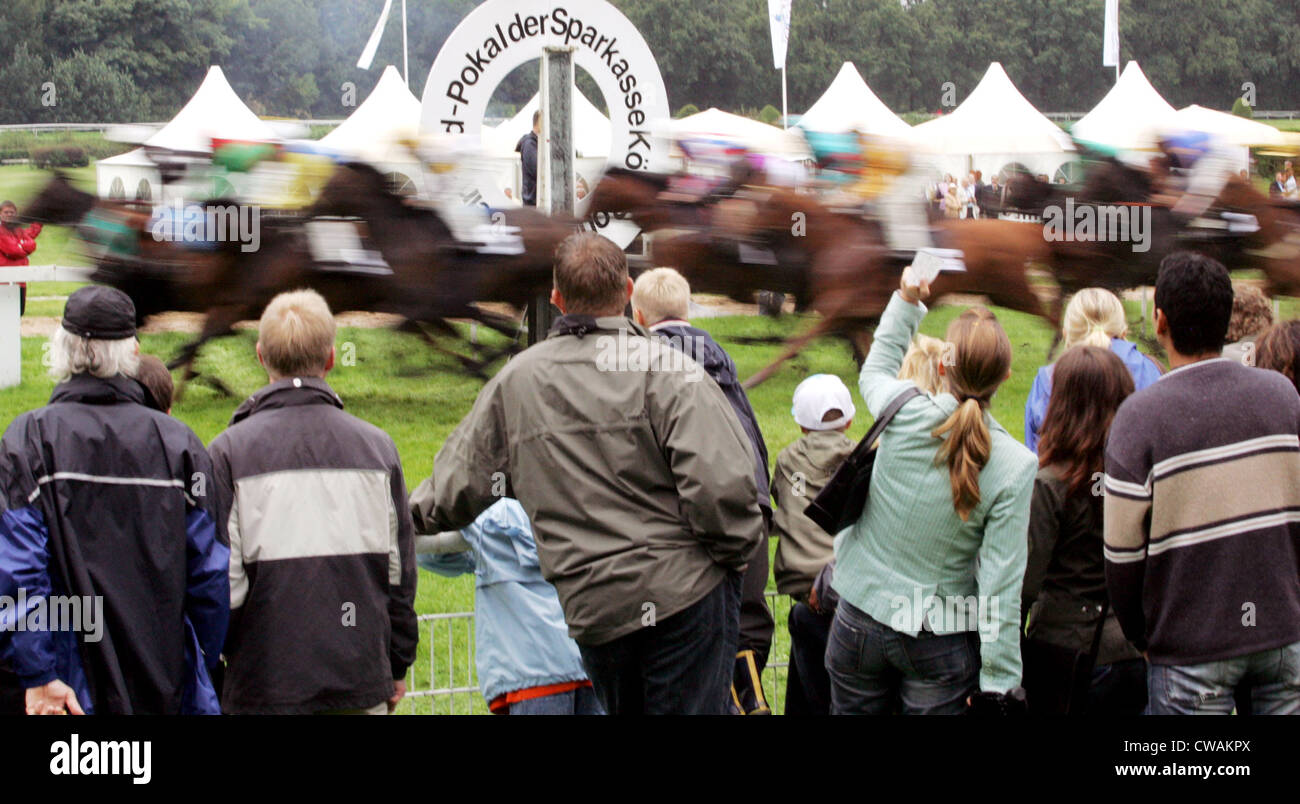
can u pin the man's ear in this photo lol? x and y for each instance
(639, 317)
(630, 285)
(329, 364)
(943, 372)
(259, 355)
(557, 299)
(1162, 323)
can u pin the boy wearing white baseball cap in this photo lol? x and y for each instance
(823, 409)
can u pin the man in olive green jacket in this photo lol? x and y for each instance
(639, 483)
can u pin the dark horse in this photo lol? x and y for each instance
(419, 245)
(848, 273)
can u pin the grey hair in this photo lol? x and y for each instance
(72, 354)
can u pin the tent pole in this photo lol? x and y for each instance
(406, 69)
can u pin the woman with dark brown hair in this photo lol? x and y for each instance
(1279, 349)
(1064, 590)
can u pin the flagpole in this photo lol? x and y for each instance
(785, 114)
(406, 69)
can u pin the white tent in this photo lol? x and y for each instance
(757, 135)
(214, 111)
(388, 114)
(591, 131)
(1130, 117)
(591, 139)
(1229, 128)
(373, 132)
(848, 104)
(993, 127)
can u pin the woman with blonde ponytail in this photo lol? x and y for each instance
(929, 577)
(1094, 317)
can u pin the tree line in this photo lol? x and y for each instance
(137, 60)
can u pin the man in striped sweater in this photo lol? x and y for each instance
(1202, 524)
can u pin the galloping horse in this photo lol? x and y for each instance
(847, 272)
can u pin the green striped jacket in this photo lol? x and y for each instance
(910, 562)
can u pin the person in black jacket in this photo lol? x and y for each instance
(1064, 590)
(527, 150)
(322, 559)
(661, 301)
(107, 516)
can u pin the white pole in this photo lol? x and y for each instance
(406, 70)
(785, 124)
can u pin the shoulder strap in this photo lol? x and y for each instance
(882, 421)
(1096, 636)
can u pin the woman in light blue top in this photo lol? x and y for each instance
(1094, 317)
(929, 577)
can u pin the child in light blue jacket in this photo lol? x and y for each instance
(526, 662)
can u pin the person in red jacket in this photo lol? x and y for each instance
(16, 243)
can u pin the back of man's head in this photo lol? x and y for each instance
(591, 275)
(157, 382)
(537, 120)
(1194, 293)
(660, 294)
(295, 337)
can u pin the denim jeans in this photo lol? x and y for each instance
(1207, 689)
(581, 701)
(682, 665)
(876, 670)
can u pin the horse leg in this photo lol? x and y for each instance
(793, 347)
(216, 324)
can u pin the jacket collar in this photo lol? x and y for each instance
(581, 325)
(286, 393)
(91, 390)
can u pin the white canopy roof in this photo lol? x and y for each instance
(1130, 116)
(849, 104)
(214, 111)
(994, 119)
(387, 115)
(1229, 128)
(591, 131)
(758, 135)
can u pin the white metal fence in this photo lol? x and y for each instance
(443, 681)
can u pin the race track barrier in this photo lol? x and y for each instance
(450, 683)
(11, 342)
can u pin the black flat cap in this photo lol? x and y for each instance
(97, 311)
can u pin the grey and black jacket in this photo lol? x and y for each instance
(322, 561)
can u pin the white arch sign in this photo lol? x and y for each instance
(500, 35)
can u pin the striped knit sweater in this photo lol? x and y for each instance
(1202, 523)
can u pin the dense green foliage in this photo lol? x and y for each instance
(117, 60)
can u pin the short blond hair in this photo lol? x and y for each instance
(921, 364)
(660, 294)
(296, 334)
(1093, 317)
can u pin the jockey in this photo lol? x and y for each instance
(1206, 164)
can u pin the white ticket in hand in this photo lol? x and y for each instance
(930, 261)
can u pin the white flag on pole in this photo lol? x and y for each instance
(778, 12)
(1110, 39)
(368, 55)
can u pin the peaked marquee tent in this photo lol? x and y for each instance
(849, 104)
(214, 111)
(758, 135)
(373, 131)
(1131, 115)
(992, 128)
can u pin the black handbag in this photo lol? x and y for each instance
(841, 500)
